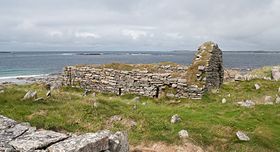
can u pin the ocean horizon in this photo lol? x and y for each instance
(40, 63)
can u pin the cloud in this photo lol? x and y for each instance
(86, 35)
(139, 24)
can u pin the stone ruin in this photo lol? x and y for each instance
(21, 137)
(153, 80)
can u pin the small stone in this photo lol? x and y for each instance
(144, 103)
(2, 91)
(238, 77)
(86, 92)
(224, 100)
(48, 94)
(175, 118)
(30, 95)
(247, 103)
(279, 89)
(268, 100)
(115, 118)
(228, 95)
(277, 100)
(136, 99)
(257, 86)
(276, 73)
(201, 68)
(183, 134)
(39, 99)
(242, 136)
(96, 104)
(170, 95)
(134, 107)
(94, 94)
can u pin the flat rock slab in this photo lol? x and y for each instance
(90, 142)
(11, 133)
(37, 140)
(6, 122)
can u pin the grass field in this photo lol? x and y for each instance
(211, 124)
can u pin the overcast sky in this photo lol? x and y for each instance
(108, 25)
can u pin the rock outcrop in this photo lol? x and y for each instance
(24, 138)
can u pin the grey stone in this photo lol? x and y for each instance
(276, 73)
(37, 140)
(39, 99)
(13, 132)
(257, 86)
(30, 95)
(170, 95)
(115, 118)
(183, 134)
(118, 142)
(224, 100)
(268, 100)
(247, 103)
(90, 142)
(201, 68)
(6, 122)
(242, 136)
(175, 118)
(48, 94)
(136, 99)
(277, 100)
(238, 77)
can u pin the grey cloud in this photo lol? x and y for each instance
(138, 24)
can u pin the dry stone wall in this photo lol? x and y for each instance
(179, 81)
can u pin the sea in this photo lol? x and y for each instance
(42, 63)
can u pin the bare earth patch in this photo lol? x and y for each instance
(162, 147)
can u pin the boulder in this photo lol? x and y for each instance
(268, 100)
(175, 118)
(276, 73)
(257, 86)
(242, 136)
(30, 95)
(37, 140)
(224, 100)
(183, 134)
(118, 142)
(89, 142)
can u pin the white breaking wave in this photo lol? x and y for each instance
(22, 76)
